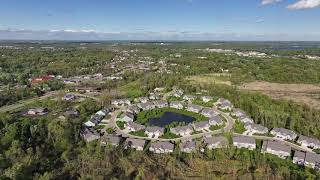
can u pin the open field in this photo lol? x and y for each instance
(214, 78)
(308, 94)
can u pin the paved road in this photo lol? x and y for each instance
(23, 103)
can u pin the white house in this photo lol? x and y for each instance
(215, 142)
(284, 134)
(127, 117)
(182, 130)
(154, 132)
(312, 160)
(201, 126)
(194, 108)
(277, 148)
(176, 104)
(137, 144)
(132, 126)
(244, 142)
(188, 146)
(215, 121)
(208, 112)
(255, 128)
(309, 142)
(206, 98)
(162, 147)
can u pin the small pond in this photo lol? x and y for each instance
(169, 117)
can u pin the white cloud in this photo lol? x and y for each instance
(266, 2)
(304, 4)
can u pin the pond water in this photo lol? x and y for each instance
(169, 117)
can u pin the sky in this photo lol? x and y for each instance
(251, 20)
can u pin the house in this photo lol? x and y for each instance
(120, 102)
(161, 104)
(215, 142)
(189, 97)
(132, 126)
(143, 99)
(154, 131)
(182, 130)
(224, 104)
(69, 97)
(215, 121)
(208, 112)
(89, 134)
(103, 112)
(238, 113)
(201, 126)
(284, 134)
(133, 109)
(161, 147)
(246, 120)
(72, 113)
(41, 79)
(127, 117)
(255, 128)
(111, 139)
(95, 119)
(137, 144)
(312, 160)
(188, 146)
(309, 142)
(154, 96)
(244, 142)
(87, 89)
(276, 148)
(194, 108)
(206, 98)
(176, 104)
(177, 93)
(146, 106)
(299, 157)
(38, 111)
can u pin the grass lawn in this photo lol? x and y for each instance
(138, 133)
(121, 124)
(169, 135)
(216, 127)
(201, 103)
(132, 89)
(239, 127)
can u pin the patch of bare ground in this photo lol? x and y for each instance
(308, 94)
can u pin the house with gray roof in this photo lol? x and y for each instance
(201, 126)
(182, 130)
(160, 147)
(246, 119)
(89, 134)
(69, 97)
(215, 142)
(189, 97)
(161, 104)
(137, 144)
(238, 113)
(127, 117)
(284, 134)
(206, 98)
(224, 104)
(38, 111)
(133, 109)
(133, 126)
(255, 128)
(111, 139)
(120, 102)
(177, 93)
(244, 142)
(188, 146)
(194, 108)
(276, 148)
(215, 121)
(146, 106)
(312, 160)
(154, 132)
(309, 142)
(176, 105)
(142, 99)
(299, 157)
(208, 112)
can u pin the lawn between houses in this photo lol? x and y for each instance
(144, 116)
